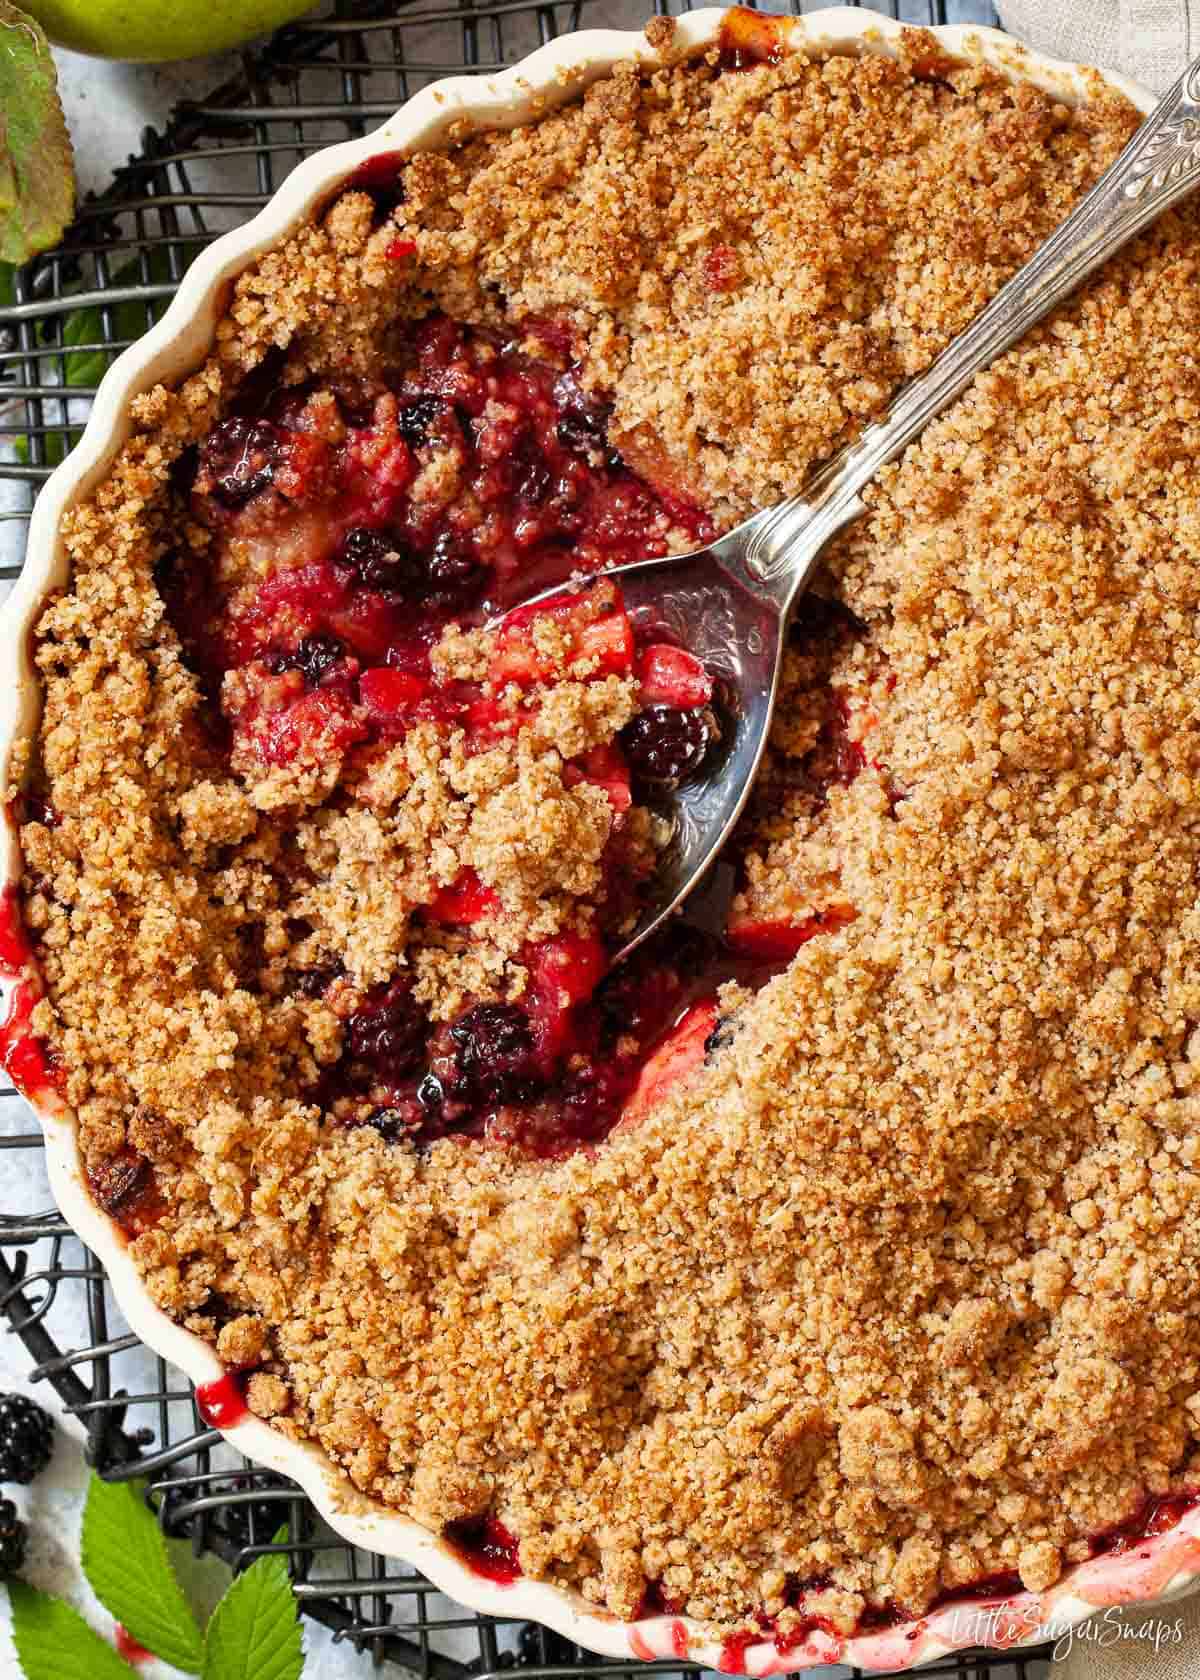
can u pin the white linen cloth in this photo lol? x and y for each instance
(1150, 40)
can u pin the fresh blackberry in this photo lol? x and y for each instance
(495, 1058)
(252, 1522)
(240, 457)
(314, 658)
(13, 1536)
(539, 1646)
(666, 745)
(26, 1438)
(389, 1038)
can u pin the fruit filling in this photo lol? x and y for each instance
(467, 794)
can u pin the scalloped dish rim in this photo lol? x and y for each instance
(1150, 1572)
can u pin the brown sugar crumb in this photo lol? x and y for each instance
(897, 1288)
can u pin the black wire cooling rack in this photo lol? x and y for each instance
(217, 161)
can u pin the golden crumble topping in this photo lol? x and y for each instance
(901, 1287)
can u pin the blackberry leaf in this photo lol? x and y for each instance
(52, 1640)
(126, 1561)
(254, 1633)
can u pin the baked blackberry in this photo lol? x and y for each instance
(666, 745)
(496, 1059)
(13, 1538)
(26, 1438)
(240, 456)
(387, 1040)
(314, 658)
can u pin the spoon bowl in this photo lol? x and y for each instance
(705, 602)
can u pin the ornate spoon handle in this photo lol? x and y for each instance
(1160, 165)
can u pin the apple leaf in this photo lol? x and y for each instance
(125, 1559)
(37, 177)
(52, 1640)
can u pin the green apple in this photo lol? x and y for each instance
(159, 29)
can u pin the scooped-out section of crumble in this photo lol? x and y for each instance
(821, 1261)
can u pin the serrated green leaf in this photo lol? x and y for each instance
(84, 367)
(36, 166)
(125, 1560)
(53, 1641)
(55, 447)
(127, 320)
(254, 1633)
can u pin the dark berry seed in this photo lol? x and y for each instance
(455, 575)
(240, 456)
(26, 1438)
(13, 1536)
(430, 1094)
(390, 1123)
(415, 419)
(495, 1058)
(389, 1039)
(314, 658)
(315, 982)
(666, 745)
(721, 1035)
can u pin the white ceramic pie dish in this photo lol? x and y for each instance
(1152, 1571)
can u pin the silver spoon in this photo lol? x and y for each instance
(729, 604)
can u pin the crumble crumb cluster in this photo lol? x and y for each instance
(902, 1289)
